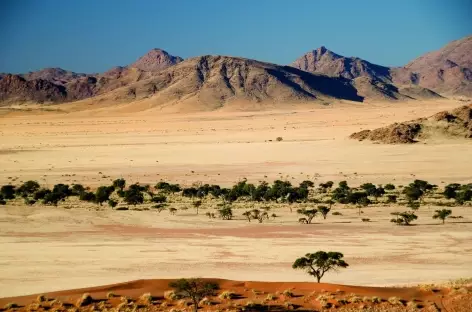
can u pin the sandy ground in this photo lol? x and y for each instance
(225, 147)
(40, 245)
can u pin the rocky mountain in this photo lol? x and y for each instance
(14, 88)
(58, 85)
(454, 124)
(55, 75)
(217, 80)
(447, 71)
(155, 60)
(326, 62)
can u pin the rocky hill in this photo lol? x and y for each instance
(454, 124)
(217, 80)
(56, 85)
(447, 71)
(155, 60)
(324, 61)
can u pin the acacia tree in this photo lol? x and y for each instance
(403, 218)
(226, 213)
(195, 289)
(258, 215)
(324, 211)
(442, 214)
(248, 215)
(318, 263)
(309, 213)
(196, 204)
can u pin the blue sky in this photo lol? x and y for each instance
(95, 35)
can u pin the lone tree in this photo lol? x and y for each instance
(195, 289)
(310, 214)
(318, 263)
(226, 213)
(403, 218)
(248, 215)
(197, 204)
(442, 214)
(324, 211)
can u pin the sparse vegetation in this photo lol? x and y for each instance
(319, 263)
(442, 214)
(194, 289)
(403, 218)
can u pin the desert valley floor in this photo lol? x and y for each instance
(92, 246)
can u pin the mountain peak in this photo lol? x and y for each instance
(322, 50)
(326, 62)
(156, 59)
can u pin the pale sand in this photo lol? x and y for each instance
(46, 249)
(222, 148)
(225, 147)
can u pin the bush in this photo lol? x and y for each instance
(112, 203)
(28, 188)
(8, 191)
(159, 199)
(391, 199)
(77, 189)
(119, 184)
(87, 196)
(29, 202)
(336, 213)
(52, 198)
(279, 139)
(103, 194)
(41, 194)
(173, 188)
(389, 187)
(134, 195)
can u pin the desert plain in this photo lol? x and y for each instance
(83, 245)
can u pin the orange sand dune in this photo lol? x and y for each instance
(305, 295)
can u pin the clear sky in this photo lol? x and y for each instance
(95, 35)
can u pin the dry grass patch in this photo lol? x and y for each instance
(146, 298)
(227, 295)
(395, 301)
(288, 293)
(41, 298)
(271, 297)
(85, 300)
(170, 295)
(205, 302)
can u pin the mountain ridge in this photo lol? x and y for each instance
(357, 79)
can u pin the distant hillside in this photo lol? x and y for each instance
(216, 80)
(155, 60)
(57, 85)
(324, 61)
(454, 124)
(447, 71)
(212, 81)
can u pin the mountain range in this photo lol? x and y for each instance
(216, 81)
